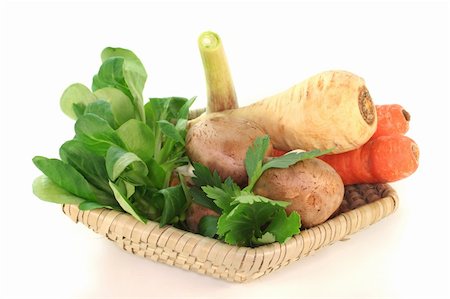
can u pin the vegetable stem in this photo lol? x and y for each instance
(220, 89)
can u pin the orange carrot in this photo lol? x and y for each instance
(381, 160)
(392, 119)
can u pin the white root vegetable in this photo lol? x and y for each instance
(332, 109)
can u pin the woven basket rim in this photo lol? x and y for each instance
(390, 195)
(215, 258)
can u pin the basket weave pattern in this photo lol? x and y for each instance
(363, 205)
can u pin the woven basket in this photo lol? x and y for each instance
(363, 205)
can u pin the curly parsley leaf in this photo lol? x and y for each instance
(243, 223)
(208, 226)
(282, 226)
(204, 177)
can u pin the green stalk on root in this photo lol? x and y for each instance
(220, 88)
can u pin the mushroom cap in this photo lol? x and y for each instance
(221, 142)
(313, 188)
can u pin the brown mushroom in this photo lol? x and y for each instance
(313, 187)
(221, 142)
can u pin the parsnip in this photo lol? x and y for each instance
(332, 109)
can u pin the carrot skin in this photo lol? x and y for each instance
(392, 119)
(381, 160)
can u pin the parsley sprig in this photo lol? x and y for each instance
(247, 219)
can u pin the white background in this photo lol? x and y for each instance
(401, 49)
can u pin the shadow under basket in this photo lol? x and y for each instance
(363, 205)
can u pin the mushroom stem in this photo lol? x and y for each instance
(220, 89)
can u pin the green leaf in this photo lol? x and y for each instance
(266, 238)
(65, 176)
(157, 174)
(284, 227)
(172, 108)
(244, 223)
(90, 205)
(125, 203)
(90, 165)
(138, 138)
(127, 165)
(204, 177)
(76, 93)
(45, 189)
(155, 110)
(121, 105)
(181, 126)
(251, 198)
(221, 198)
(174, 204)
(134, 75)
(175, 107)
(200, 197)
(96, 133)
(78, 109)
(254, 159)
(110, 74)
(183, 112)
(208, 226)
(109, 52)
(103, 110)
(170, 131)
(293, 157)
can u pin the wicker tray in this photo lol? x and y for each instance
(363, 205)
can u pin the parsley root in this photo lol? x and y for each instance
(329, 110)
(381, 160)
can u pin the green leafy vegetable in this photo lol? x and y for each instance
(208, 226)
(251, 198)
(124, 152)
(121, 105)
(138, 138)
(244, 223)
(103, 110)
(45, 189)
(170, 131)
(293, 157)
(125, 203)
(96, 133)
(282, 226)
(65, 176)
(90, 205)
(123, 70)
(128, 166)
(76, 93)
(87, 163)
(204, 177)
(254, 159)
(173, 202)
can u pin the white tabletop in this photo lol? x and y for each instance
(401, 50)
